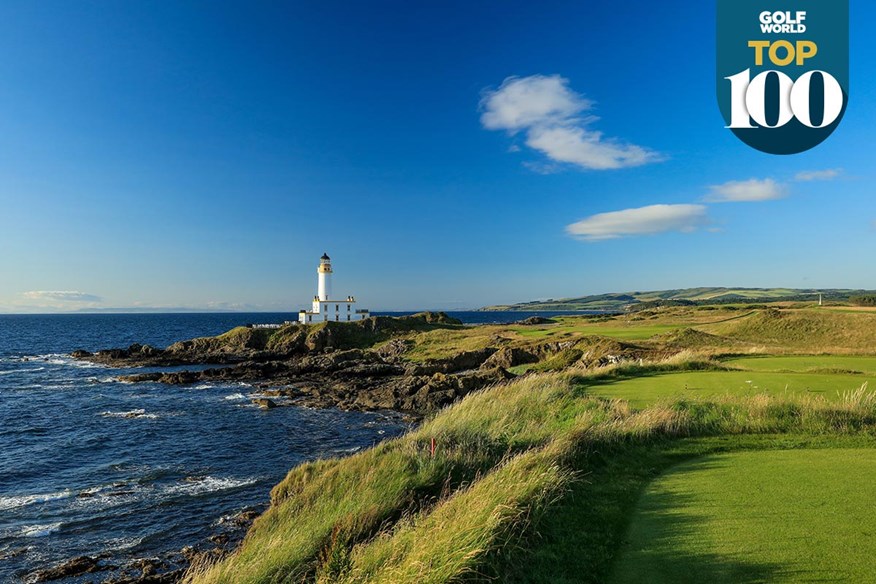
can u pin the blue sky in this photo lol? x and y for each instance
(445, 154)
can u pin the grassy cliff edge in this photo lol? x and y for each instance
(513, 466)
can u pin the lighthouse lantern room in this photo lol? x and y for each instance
(325, 309)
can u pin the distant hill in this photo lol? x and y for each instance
(634, 300)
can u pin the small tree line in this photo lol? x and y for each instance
(863, 300)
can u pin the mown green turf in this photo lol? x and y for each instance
(767, 516)
(629, 332)
(643, 391)
(863, 363)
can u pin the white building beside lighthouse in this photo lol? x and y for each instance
(325, 309)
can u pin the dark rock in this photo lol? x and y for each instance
(219, 538)
(175, 378)
(371, 370)
(470, 359)
(433, 318)
(243, 518)
(459, 362)
(509, 357)
(13, 552)
(171, 577)
(70, 568)
(280, 392)
(141, 377)
(327, 365)
(394, 349)
(113, 354)
(149, 351)
(534, 320)
(180, 378)
(81, 354)
(148, 568)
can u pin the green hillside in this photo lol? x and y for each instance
(687, 444)
(682, 296)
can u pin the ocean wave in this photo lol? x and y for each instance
(123, 543)
(91, 491)
(59, 359)
(204, 386)
(129, 414)
(235, 396)
(83, 364)
(17, 501)
(208, 484)
(62, 386)
(9, 551)
(38, 530)
(28, 370)
(107, 496)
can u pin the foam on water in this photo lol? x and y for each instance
(83, 364)
(78, 485)
(132, 414)
(39, 530)
(123, 543)
(208, 484)
(16, 501)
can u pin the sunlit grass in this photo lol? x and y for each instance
(807, 363)
(398, 513)
(762, 516)
(650, 389)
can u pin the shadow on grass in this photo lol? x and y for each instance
(662, 545)
(579, 538)
(584, 382)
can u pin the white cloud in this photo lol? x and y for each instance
(522, 102)
(811, 175)
(587, 149)
(62, 296)
(746, 191)
(549, 113)
(641, 221)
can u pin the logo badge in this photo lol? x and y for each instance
(783, 71)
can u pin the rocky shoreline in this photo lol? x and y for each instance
(321, 369)
(365, 365)
(168, 569)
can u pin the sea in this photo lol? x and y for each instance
(131, 472)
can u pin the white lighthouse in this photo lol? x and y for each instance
(325, 277)
(326, 309)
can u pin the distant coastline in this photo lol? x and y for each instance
(621, 301)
